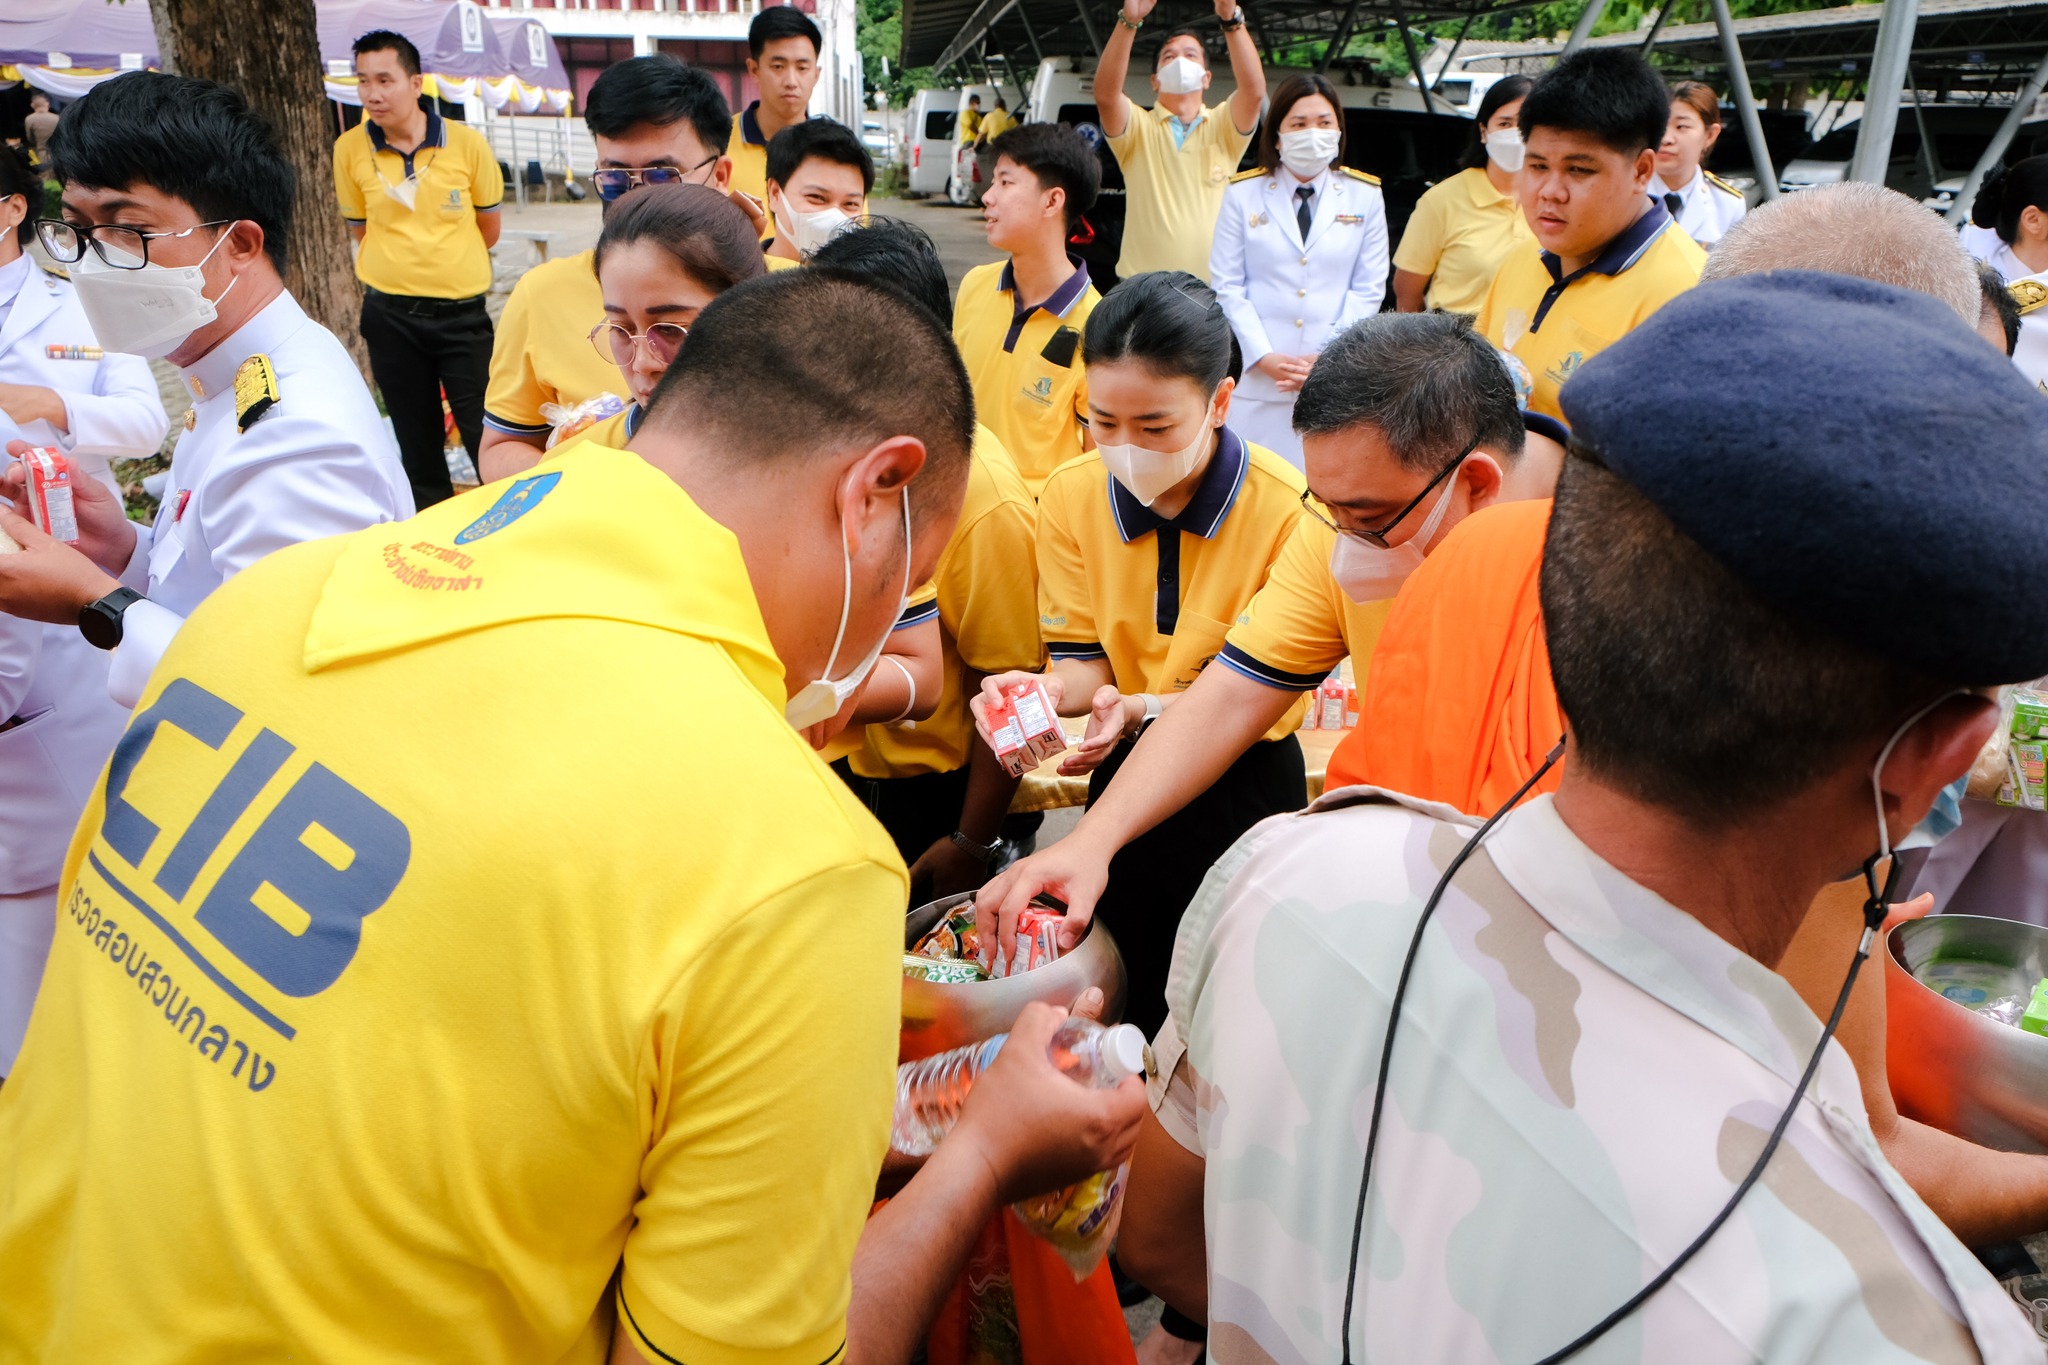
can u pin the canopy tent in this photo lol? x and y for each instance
(68, 46)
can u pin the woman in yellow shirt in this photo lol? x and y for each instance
(1463, 227)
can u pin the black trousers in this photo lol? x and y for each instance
(1152, 879)
(418, 347)
(917, 811)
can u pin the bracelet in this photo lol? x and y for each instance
(1235, 21)
(909, 682)
(1132, 24)
(1152, 710)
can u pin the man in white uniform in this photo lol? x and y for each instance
(176, 206)
(1594, 1051)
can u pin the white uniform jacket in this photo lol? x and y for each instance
(318, 462)
(1708, 207)
(110, 402)
(1288, 295)
(2030, 289)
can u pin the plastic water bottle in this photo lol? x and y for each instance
(929, 1093)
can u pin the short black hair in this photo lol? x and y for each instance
(193, 139)
(786, 367)
(1290, 92)
(702, 231)
(1058, 159)
(1608, 93)
(1170, 322)
(658, 90)
(2008, 192)
(1999, 302)
(1200, 41)
(35, 95)
(384, 40)
(892, 252)
(824, 139)
(1431, 384)
(18, 177)
(776, 22)
(1502, 92)
(1682, 687)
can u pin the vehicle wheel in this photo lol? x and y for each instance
(957, 191)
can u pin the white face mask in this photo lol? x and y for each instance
(1504, 147)
(1369, 574)
(1181, 76)
(1308, 152)
(821, 698)
(406, 191)
(147, 312)
(1149, 473)
(808, 231)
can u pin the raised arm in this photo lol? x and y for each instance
(1244, 66)
(1112, 107)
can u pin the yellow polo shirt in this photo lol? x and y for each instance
(542, 353)
(1173, 194)
(994, 124)
(1461, 231)
(430, 249)
(1157, 598)
(749, 152)
(1030, 386)
(1550, 323)
(987, 586)
(1301, 625)
(338, 1055)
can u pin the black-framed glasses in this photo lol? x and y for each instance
(619, 346)
(614, 181)
(1378, 539)
(66, 241)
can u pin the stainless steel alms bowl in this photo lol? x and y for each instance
(939, 1016)
(1951, 1066)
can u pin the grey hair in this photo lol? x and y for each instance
(1432, 385)
(1856, 229)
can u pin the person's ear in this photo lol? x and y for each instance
(872, 490)
(1713, 136)
(721, 174)
(1646, 166)
(1482, 476)
(1940, 748)
(1056, 204)
(1221, 411)
(754, 69)
(243, 246)
(2034, 220)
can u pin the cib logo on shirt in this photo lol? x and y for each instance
(1039, 391)
(282, 917)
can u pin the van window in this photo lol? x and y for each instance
(1458, 92)
(938, 124)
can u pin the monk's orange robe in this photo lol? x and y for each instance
(1459, 706)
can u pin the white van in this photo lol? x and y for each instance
(965, 187)
(929, 133)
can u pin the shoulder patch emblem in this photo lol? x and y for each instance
(1253, 174)
(2030, 295)
(255, 391)
(1720, 184)
(1356, 174)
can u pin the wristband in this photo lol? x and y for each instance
(1153, 707)
(985, 852)
(909, 682)
(1235, 21)
(1132, 24)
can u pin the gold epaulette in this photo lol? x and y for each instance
(255, 390)
(2029, 295)
(1253, 174)
(1721, 184)
(1361, 175)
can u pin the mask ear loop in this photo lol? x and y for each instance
(1880, 898)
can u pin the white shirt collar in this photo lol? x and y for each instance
(13, 276)
(214, 372)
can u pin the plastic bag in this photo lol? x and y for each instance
(1080, 1221)
(576, 417)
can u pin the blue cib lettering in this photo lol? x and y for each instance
(335, 898)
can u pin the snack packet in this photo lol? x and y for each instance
(575, 417)
(1038, 941)
(945, 971)
(1080, 1221)
(49, 494)
(952, 937)
(1024, 730)
(2029, 714)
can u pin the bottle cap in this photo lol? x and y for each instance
(1125, 1053)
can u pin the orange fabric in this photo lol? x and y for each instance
(1016, 1303)
(1459, 706)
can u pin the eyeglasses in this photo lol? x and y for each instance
(1378, 539)
(614, 181)
(620, 346)
(66, 241)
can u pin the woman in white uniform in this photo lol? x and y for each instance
(1704, 204)
(57, 723)
(2014, 204)
(1300, 254)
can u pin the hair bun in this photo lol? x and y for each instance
(1990, 199)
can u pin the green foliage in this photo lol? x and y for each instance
(878, 33)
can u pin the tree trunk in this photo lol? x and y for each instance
(270, 51)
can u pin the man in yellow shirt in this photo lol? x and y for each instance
(571, 1014)
(1178, 155)
(421, 196)
(1606, 254)
(782, 57)
(1018, 323)
(818, 181)
(655, 122)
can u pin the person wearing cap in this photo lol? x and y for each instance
(1704, 204)
(1594, 1049)
(1409, 425)
(1606, 255)
(654, 121)
(1179, 155)
(420, 196)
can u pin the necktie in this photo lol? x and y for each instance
(1302, 195)
(1674, 203)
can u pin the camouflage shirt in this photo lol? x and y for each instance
(1582, 1075)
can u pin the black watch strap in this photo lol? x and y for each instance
(100, 622)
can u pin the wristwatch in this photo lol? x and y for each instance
(1235, 21)
(1153, 707)
(100, 622)
(985, 852)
